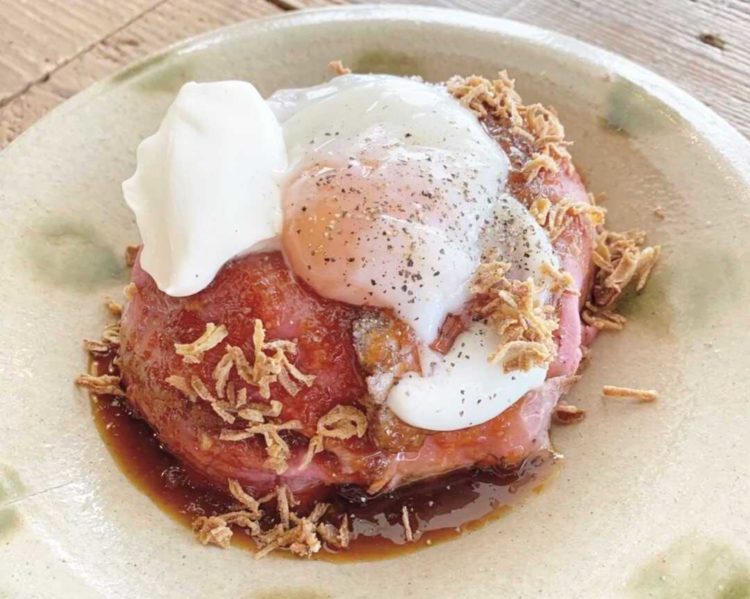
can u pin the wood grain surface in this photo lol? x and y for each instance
(77, 65)
(51, 49)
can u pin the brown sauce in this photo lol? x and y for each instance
(439, 509)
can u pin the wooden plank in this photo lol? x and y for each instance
(50, 49)
(165, 23)
(663, 36)
(38, 36)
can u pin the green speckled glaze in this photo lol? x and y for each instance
(695, 567)
(148, 65)
(72, 253)
(11, 489)
(171, 74)
(10, 522)
(631, 110)
(385, 61)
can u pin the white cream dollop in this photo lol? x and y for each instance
(206, 186)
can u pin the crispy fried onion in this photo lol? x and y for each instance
(540, 209)
(338, 68)
(525, 326)
(115, 308)
(537, 125)
(560, 280)
(484, 97)
(555, 218)
(192, 353)
(621, 258)
(130, 291)
(109, 341)
(236, 407)
(267, 368)
(406, 522)
(537, 163)
(568, 414)
(629, 393)
(301, 535)
(276, 447)
(342, 422)
(622, 262)
(230, 403)
(105, 384)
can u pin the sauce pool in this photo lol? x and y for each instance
(439, 509)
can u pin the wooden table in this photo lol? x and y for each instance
(51, 49)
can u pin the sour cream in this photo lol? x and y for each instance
(206, 187)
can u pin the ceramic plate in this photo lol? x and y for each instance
(651, 500)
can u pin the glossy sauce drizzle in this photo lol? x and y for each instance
(439, 509)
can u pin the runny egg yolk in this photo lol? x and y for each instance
(385, 232)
